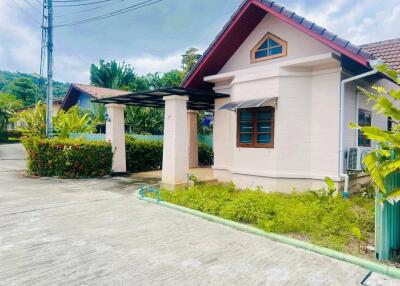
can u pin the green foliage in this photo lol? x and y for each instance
(7, 80)
(10, 136)
(9, 101)
(111, 74)
(143, 155)
(385, 160)
(67, 158)
(145, 120)
(24, 89)
(189, 60)
(206, 155)
(33, 122)
(325, 220)
(72, 121)
(64, 122)
(147, 155)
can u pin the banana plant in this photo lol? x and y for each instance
(385, 160)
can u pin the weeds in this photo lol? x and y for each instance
(318, 217)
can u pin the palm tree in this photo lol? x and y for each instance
(111, 75)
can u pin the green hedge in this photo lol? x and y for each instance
(142, 155)
(68, 158)
(10, 136)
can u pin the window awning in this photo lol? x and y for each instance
(252, 103)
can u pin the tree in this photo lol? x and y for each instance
(9, 101)
(111, 75)
(189, 60)
(24, 89)
(385, 160)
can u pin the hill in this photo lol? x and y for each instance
(8, 81)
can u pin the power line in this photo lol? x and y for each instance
(111, 14)
(90, 9)
(82, 4)
(15, 5)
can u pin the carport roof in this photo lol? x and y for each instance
(198, 99)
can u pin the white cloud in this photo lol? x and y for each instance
(359, 22)
(19, 41)
(150, 64)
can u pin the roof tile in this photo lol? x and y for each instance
(388, 51)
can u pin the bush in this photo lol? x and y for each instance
(314, 216)
(142, 155)
(206, 155)
(67, 158)
(10, 136)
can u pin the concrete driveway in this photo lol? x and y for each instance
(95, 232)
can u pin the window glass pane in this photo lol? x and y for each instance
(276, 51)
(263, 138)
(246, 138)
(272, 43)
(367, 120)
(264, 45)
(264, 115)
(264, 126)
(262, 54)
(246, 116)
(246, 126)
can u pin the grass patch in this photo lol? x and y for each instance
(317, 217)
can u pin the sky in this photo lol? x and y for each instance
(153, 38)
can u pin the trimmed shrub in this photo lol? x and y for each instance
(206, 155)
(142, 155)
(67, 158)
(10, 136)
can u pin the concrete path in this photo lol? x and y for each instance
(95, 232)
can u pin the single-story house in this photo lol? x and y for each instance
(82, 94)
(284, 91)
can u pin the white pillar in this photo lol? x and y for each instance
(115, 133)
(175, 167)
(193, 139)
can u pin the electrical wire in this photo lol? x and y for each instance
(81, 4)
(111, 14)
(89, 9)
(15, 5)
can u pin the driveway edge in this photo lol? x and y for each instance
(367, 264)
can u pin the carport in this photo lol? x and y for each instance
(180, 127)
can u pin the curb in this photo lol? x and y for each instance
(367, 264)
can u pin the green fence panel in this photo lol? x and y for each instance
(387, 223)
(205, 139)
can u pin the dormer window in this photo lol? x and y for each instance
(270, 47)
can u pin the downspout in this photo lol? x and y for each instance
(342, 173)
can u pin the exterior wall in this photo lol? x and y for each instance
(84, 102)
(299, 45)
(306, 144)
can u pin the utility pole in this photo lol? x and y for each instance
(49, 101)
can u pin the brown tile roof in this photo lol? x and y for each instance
(99, 92)
(388, 51)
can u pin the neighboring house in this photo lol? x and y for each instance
(280, 127)
(82, 94)
(14, 125)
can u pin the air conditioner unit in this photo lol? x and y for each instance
(355, 157)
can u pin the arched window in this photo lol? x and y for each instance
(270, 47)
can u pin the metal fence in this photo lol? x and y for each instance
(204, 139)
(387, 223)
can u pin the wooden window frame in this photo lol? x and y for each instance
(254, 143)
(363, 142)
(281, 42)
